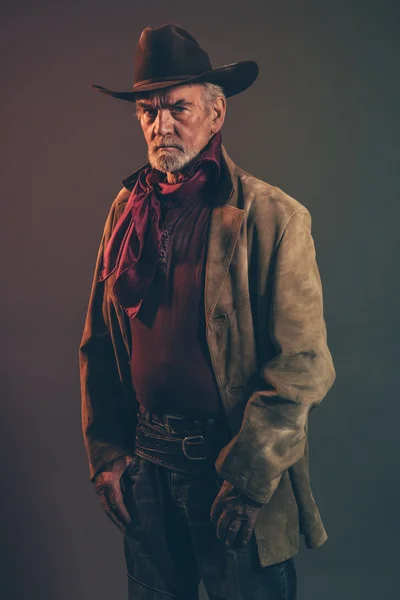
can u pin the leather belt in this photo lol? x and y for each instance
(179, 442)
(193, 447)
(174, 424)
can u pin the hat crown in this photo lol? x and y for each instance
(168, 52)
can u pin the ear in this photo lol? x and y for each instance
(218, 114)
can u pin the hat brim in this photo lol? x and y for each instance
(233, 79)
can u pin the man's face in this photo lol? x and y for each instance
(176, 126)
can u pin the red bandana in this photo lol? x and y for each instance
(135, 242)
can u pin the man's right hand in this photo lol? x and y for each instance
(108, 486)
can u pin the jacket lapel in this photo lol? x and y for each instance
(225, 224)
(224, 231)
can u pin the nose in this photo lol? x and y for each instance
(163, 123)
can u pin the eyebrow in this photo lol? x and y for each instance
(180, 102)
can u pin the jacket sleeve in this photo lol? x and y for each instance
(102, 393)
(273, 434)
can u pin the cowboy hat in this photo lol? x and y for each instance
(169, 55)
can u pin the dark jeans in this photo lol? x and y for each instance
(171, 543)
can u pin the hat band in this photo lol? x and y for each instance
(166, 78)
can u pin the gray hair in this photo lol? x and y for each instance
(210, 92)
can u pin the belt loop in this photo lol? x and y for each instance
(144, 414)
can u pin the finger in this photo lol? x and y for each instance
(245, 533)
(115, 500)
(120, 507)
(108, 502)
(116, 521)
(105, 502)
(223, 524)
(232, 532)
(216, 511)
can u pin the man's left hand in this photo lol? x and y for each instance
(234, 515)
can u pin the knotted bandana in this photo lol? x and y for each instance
(133, 248)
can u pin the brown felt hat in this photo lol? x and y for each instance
(169, 55)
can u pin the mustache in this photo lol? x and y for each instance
(166, 144)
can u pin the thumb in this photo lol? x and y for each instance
(120, 508)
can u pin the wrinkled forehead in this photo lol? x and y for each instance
(172, 95)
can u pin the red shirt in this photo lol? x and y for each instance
(170, 362)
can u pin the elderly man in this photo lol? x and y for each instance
(204, 348)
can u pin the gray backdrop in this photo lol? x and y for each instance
(321, 122)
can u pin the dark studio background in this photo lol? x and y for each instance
(321, 122)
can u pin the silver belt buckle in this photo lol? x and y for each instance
(185, 443)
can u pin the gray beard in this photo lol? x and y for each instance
(169, 164)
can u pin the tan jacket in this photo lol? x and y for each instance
(268, 345)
